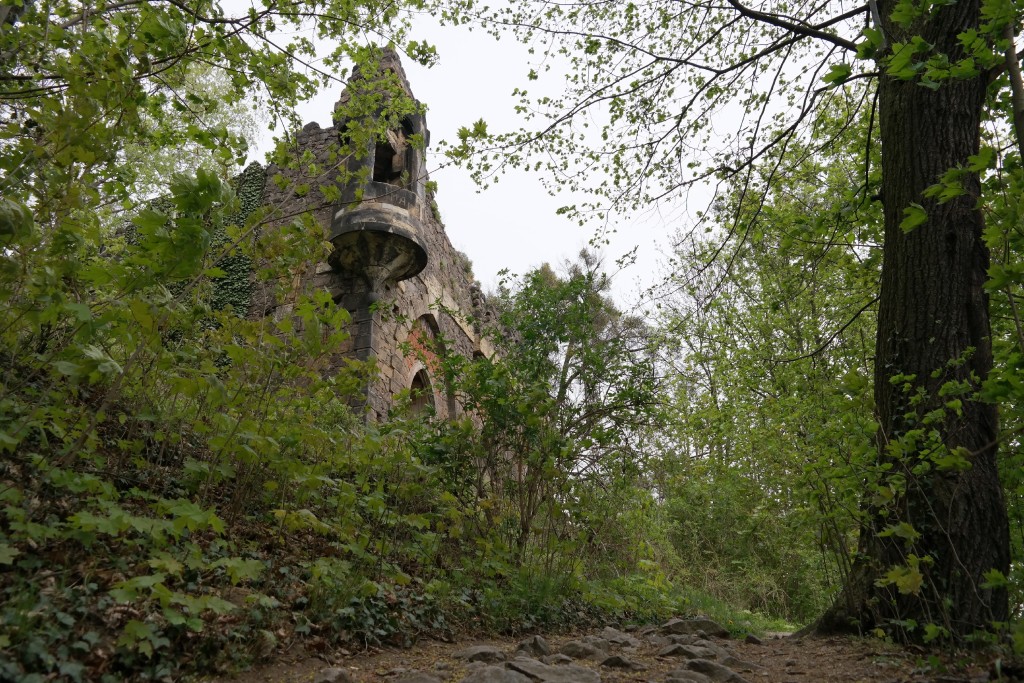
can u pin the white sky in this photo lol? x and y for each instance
(513, 223)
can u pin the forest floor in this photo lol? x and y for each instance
(642, 658)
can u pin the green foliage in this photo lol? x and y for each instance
(1006, 279)
(208, 481)
(566, 407)
(771, 437)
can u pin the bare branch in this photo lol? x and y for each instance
(805, 31)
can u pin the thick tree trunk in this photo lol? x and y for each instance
(933, 325)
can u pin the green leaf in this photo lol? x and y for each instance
(976, 163)
(68, 368)
(838, 74)
(934, 632)
(908, 580)
(913, 216)
(956, 459)
(873, 40)
(902, 530)
(81, 312)
(994, 579)
(240, 570)
(15, 221)
(8, 553)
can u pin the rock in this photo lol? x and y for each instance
(693, 626)
(659, 640)
(752, 639)
(418, 677)
(580, 650)
(687, 651)
(620, 662)
(613, 635)
(535, 647)
(684, 676)
(557, 659)
(566, 673)
(597, 641)
(720, 652)
(481, 653)
(740, 664)
(495, 674)
(332, 675)
(715, 671)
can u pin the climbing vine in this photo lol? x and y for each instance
(233, 286)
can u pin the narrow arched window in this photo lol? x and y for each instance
(421, 394)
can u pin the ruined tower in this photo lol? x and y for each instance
(391, 266)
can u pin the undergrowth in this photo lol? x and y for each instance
(184, 488)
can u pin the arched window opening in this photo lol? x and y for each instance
(420, 393)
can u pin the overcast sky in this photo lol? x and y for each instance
(513, 223)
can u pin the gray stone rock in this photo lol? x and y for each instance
(597, 641)
(659, 640)
(613, 635)
(481, 653)
(740, 664)
(332, 675)
(686, 651)
(720, 652)
(418, 677)
(566, 673)
(715, 671)
(557, 659)
(534, 647)
(693, 626)
(752, 639)
(684, 676)
(579, 650)
(620, 662)
(495, 674)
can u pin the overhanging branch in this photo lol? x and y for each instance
(809, 31)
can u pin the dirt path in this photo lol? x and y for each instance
(653, 655)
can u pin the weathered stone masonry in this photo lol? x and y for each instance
(393, 267)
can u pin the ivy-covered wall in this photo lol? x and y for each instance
(234, 287)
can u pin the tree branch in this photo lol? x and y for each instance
(832, 337)
(808, 31)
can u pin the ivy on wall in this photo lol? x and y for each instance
(234, 287)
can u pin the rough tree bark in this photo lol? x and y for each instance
(933, 323)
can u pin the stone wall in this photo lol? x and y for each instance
(396, 320)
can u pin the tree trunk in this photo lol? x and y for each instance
(933, 325)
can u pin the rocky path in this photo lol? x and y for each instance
(679, 651)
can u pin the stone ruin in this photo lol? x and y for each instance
(392, 266)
